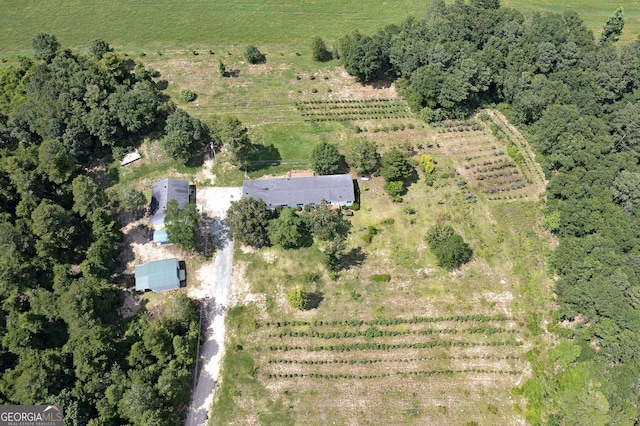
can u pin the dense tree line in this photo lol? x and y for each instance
(578, 97)
(63, 118)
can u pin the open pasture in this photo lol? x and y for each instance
(164, 24)
(137, 26)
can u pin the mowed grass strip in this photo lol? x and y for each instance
(162, 24)
(170, 24)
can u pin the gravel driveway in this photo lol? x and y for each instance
(213, 292)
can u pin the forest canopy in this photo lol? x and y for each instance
(64, 117)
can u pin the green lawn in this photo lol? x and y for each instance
(163, 24)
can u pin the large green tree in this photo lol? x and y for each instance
(287, 230)
(182, 224)
(327, 224)
(248, 220)
(230, 134)
(185, 136)
(362, 155)
(325, 159)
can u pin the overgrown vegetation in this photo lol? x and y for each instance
(63, 118)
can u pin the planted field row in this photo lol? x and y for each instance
(479, 134)
(447, 124)
(366, 109)
(502, 181)
(396, 360)
(370, 333)
(389, 321)
(366, 113)
(369, 101)
(493, 153)
(490, 165)
(383, 375)
(503, 188)
(470, 128)
(353, 117)
(499, 174)
(350, 106)
(372, 346)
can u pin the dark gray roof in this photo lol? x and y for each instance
(164, 191)
(335, 189)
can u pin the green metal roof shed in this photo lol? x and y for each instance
(158, 275)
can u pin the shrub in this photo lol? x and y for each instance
(409, 210)
(449, 248)
(188, 95)
(254, 56)
(355, 207)
(381, 278)
(319, 50)
(298, 299)
(371, 231)
(394, 187)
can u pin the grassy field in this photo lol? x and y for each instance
(160, 25)
(427, 347)
(593, 13)
(164, 24)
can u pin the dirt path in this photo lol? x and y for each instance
(213, 291)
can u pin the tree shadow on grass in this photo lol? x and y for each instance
(263, 156)
(233, 73)
(354, 258)
(343, 167)
(315, 299)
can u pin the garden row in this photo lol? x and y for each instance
(490, 165)
(353, 117)
(383, 375)
(370, 101)
(343, 110)
(499, 174)
(349, 106)
(388, 321)
(370, 333)
(391, 346)
(472, 128)
(517, 151)
(494, 152)
(405, 360)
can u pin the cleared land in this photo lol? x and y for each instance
(148, 26)
(427, 347)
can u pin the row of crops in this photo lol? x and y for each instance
(353, 349)
(484, 161)
(352, 110)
